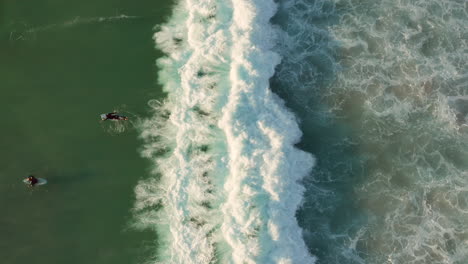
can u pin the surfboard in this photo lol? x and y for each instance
(40, 181)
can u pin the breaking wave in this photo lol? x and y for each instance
(225, 185)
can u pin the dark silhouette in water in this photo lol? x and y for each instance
(113, 116)
(32, 180)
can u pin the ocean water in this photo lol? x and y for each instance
(299, 131)
(381, 89)
(226, 178)
(288, 131)
(62, 64)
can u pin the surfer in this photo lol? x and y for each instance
(32, 180)
(113, 116)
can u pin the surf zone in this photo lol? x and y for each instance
(224, 186)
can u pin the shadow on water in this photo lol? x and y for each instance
(329, 214)
(58, 178)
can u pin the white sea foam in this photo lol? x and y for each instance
(225, 184)
(390, 119)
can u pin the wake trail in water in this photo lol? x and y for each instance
(23, 31)
(224, 188)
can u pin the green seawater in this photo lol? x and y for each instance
(62, 64)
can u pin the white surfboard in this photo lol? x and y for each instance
(40, 181)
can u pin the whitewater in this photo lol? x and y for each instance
(226, 179)
(377, 91)
(381, 88)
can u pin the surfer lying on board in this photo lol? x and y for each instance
(32, 180)
(113, 116)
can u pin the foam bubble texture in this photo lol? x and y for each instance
(225, 184)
